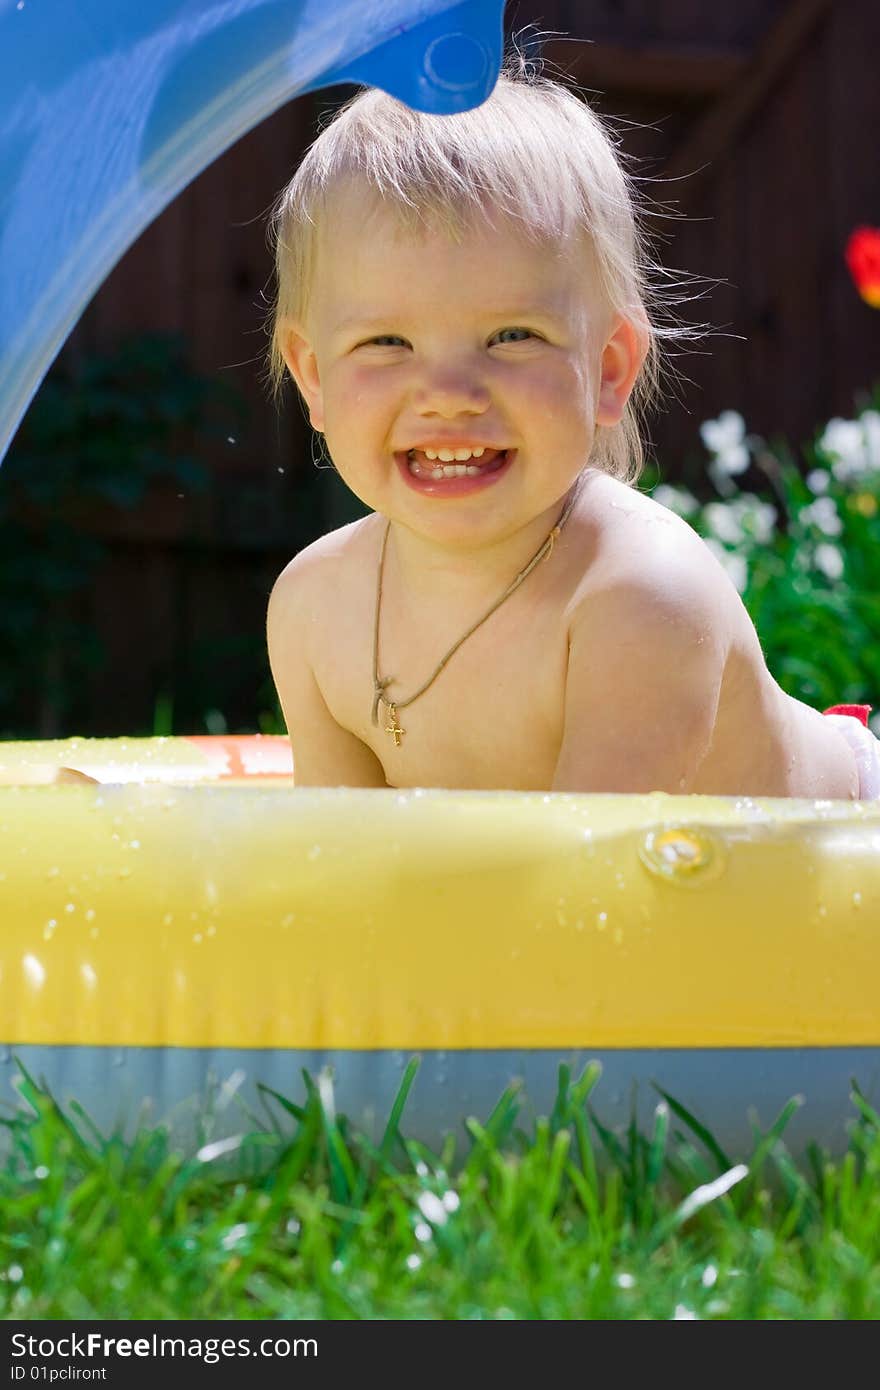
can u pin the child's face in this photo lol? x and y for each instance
(416, 341)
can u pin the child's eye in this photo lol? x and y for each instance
(386, 339)
(527, 331)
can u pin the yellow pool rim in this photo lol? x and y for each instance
(208, 906)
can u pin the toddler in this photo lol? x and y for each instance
(466, 306)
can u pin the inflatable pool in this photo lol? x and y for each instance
(173, 911)
(190, 915)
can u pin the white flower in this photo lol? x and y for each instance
(760, 516)
(744, 515)
(725, 438)
(817, 481)
(723, 522)
(683, 1314)
(735, 565)
(829, 560)
(852, 445)
(823, 514)
(675, 499)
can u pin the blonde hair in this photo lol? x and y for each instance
(535, 153)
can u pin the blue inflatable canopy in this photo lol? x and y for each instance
(108, 108)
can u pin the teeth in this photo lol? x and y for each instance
(458, 470)
(448, 463)
(459, 455)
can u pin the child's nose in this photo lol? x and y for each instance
(450, 393)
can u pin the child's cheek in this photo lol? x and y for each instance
(564, 393)
(350, 393)
(366, 388)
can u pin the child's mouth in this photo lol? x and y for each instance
(453, 479)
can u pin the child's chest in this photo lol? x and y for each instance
(491, 718)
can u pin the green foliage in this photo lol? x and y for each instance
(802, 547)
(100, 432)
(304, 1217)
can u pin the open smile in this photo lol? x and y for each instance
(459, 478)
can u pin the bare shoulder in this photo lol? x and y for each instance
(646, 562)
(651, 633)
(669, 647)
(302, 595)
(324, 555)
(306, 602)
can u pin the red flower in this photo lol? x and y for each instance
(863, 259)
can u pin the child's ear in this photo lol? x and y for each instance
(622, 359)
(302, 364)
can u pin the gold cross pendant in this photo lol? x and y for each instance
(394, 727)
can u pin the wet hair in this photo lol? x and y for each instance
(536, 153)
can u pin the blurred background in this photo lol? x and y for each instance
(153, 492)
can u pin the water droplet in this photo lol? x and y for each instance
(682, 854)
(53, 872)
(70, 907)
(857, 899)
(601, 920)
(124, 872)
(49, 929)
(314, 852)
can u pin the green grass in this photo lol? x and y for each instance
(305, 1219)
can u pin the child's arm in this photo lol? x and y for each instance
(324, 754)
(646, 660)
